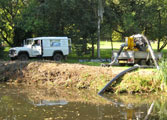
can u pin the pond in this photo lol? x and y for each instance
(28, 103)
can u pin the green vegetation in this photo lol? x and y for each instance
(144, 81)
(78, 20)
(138, 82)
(162, 74)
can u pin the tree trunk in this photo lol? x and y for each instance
(84, 44)
(111, 40)
(98, 40)
(158, 44)
(93, 52)
(159, 36)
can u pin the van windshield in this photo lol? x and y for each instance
(28, 42)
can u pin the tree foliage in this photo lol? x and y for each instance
(77, 19)
(10, 11)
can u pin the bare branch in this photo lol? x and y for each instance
(119, 31)
(163, 46)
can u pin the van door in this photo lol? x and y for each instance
(37, 48)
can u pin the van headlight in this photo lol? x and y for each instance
(12, 52)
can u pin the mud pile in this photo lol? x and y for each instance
(53, 75)
(47, 73)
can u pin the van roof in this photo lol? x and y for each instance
(44, 38)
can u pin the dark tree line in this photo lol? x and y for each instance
(77, 19)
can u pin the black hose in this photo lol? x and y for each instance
(118, 76)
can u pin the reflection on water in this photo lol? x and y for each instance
(17, 103)
(49, 103)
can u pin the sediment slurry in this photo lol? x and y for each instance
(51, 74)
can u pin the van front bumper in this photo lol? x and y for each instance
(12, 53)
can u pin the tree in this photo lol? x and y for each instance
(140, 16)
(9, 14)
(157, 25)
(21, 19)
(81, 23)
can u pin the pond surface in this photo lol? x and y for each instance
(20, 103)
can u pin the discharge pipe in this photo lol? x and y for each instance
(119, 52)
(151, 52)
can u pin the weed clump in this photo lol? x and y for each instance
(144, 80)
(162, 74)
(141, 81)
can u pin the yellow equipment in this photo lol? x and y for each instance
(136, 50)
(135, 43)
(130, 41)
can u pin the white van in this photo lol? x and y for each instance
(56, 48)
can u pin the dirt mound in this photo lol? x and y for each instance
(53, 74)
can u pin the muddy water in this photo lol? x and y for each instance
(20, 103)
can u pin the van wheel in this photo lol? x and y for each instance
(23, 57)
(57, 57)
(12, 58)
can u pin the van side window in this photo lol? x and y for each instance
(55, 43)
(37, 42)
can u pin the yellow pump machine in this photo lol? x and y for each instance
(136, 50)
